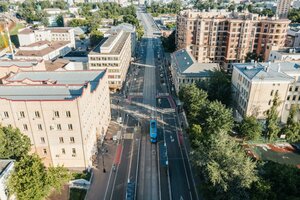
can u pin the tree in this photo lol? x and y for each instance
(267, 12)
(169, 42)
(231, 7)
(131, 20)
(294, 15)
(140, 31)
(218, 86)
(272, 126)
(60, 21)
(292, 128)
(253, 56)
(217, 118)
(3, 7)
(227, 171)
(95, 37)
(29, 179)
(250, 128)
(77, 22)
(194, 101)
(14, 144)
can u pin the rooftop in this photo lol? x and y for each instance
(41, 85)
(19, 63)
(41, 48)
(29, 30)
(268, 71)
(187, 65)
(289, 51)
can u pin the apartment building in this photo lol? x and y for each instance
(255, 85)
(114, 54)
(30, 35)
(63, 113)
(283, 7)
(227, 37)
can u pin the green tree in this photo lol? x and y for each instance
(95, 37)
(253, 56)
(194, 101)
(272, 124)
(14, 144)
(195, 135)
(227, 171)
(60, 21)
(131, 20)
(57, 177)
(77, 22)
(29, 179)
(250, 128)
(3, 7)
(217, 118)
(294, 15)
(231, 7)
(268, 12)
(140, 31)
(292, 127)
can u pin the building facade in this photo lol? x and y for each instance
(186, 70)
(113, 54)
(227, 37)
(63, 113)
(255, 85)
(283, 7)
(287, 54)
(28, 36)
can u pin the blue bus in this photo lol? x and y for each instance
(153, 131)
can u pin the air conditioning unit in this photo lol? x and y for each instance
(73, 155)
(57, 156)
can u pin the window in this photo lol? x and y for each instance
(25, 127)
(294, 98)
(63, 151)
(40, 128)
(58, 126)
(22, 114)
(45, 151)
(37, 114)
(73, 151)
(6, 115)
(270, 102)
(70, 127)
(72, 140)
(296, 89)
(42, 140)
(288, 98)
(61, 140)
(56, 114)
(68, 114)
(291, 88)
(272, 93)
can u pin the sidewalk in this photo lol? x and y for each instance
(100, 179)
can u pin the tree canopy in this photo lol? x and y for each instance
(169, 42)
(292, 127)
(157, 8)
(14, 144)
(250, 128)
(294, 15)
(95, 37)
(272, 121)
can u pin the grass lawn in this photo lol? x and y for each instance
(14, 31)
(77, 194)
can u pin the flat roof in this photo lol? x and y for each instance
(51, 46)
(29, 30)
(19, 63)
(63, 85)
(116, 49)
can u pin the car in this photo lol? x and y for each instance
(119, 120)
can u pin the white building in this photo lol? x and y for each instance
(31, 35)
(43, 50)
(6, 167)
(289, 54)
(64, 113)
(114, 54)
(186, 70)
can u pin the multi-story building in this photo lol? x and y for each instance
(283, 7)
(28, 36)
(186, 70)
(293, 37)
(43, 50)
(63, 113)
(227, 37)
(114, 54)
(286, 54)
(255, 85)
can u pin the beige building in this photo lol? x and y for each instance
(227, 37)
(63, 113)
(30, 35)
(283, 7)
(113, 54)
(255, 84)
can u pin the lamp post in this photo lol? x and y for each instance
(103, 151)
